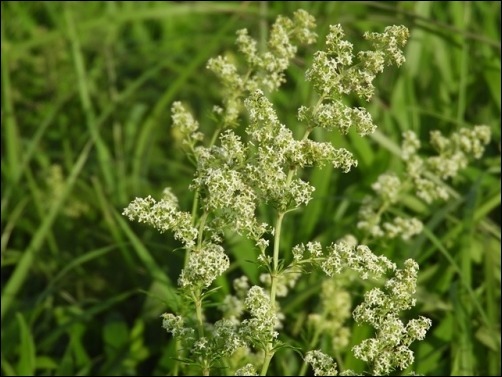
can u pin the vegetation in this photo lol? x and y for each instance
(87, 93)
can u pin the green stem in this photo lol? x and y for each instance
(197, 299)
(205, 368)
(269, 349)
(202, 224)
(195, 205)
(176, 364)
(269, 353)
(275, 260)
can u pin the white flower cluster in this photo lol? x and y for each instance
(163, 215)
(246, 370)
(226, 339)
(185, 127)
(333, 75)
(204, 266)
(381, 307)
(402, 227)
(454, 153)
(336, 306)
(356, 258)
(389, 349)
(387, 188)
(234, 177)
(344, 255)
(322, 364)
(265, 70)
(336, 115)
(333, 72)
(314, 249)
(260, 328)
(220, 340)
(233, 305)
(280, 49)
(390, 42)
(277, 152)
(425, 176)
(175, 325)
(238, 172)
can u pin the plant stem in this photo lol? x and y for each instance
(269, 349)
(275, 261)
(196, 296)
(269, 353)
(197, 299)
(201, 229)
(205, 368)
(176, 364)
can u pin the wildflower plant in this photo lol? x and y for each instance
(238, 174)
(423, 176)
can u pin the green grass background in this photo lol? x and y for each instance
(86, 88)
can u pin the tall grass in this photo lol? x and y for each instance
(86, 90)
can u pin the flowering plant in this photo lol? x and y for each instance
(253, 165)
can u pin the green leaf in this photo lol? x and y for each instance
(27, 353)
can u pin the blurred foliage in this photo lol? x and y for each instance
(86, 91)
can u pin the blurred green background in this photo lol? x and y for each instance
(86, 92)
